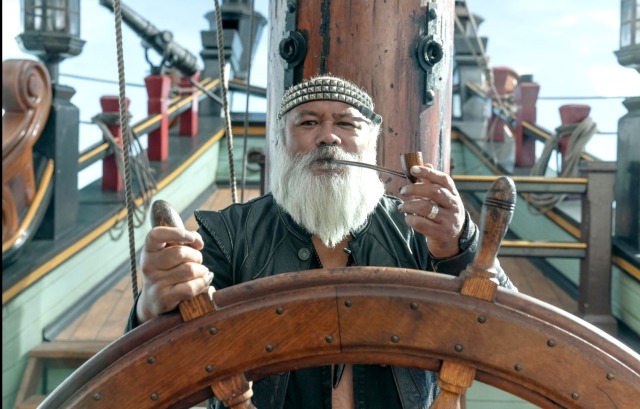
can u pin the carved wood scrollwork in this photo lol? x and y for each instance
(26, 100)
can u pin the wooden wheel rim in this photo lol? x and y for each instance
(390, 316)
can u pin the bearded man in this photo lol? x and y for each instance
(319, 215)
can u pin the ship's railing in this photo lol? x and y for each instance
(488, 113)
(521, 120)
(593, 187)
(527, 132)
(177, 106)
(594, 235)
(164, 112)
(540, 134)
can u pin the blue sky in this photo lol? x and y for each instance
(567, 45)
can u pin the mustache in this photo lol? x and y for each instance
(327, 154)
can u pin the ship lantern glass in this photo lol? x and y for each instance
(52, 16)
(629, 23)
(629, 52)
(51, 30)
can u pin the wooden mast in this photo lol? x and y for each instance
(399, 51)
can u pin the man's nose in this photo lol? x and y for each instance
(327, 136)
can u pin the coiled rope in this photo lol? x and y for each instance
(142, 172)
(581, 133)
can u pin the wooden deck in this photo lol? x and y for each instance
(107, 317)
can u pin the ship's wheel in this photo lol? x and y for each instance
(463, 328)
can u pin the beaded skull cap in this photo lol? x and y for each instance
(328, 88)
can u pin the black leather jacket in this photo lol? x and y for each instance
(258, 239)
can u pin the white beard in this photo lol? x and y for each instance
(330, 205)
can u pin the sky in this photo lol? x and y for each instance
(568, 46)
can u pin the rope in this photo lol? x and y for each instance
(246, 106)
(143, 176)
(581, 133)
(143, 173)
(126, 131)
(485, 59)
(206, 91)
(492, 148)
(227, 116)
(505, 107)
(103, 80)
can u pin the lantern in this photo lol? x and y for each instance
(51, 31)
(629, 52)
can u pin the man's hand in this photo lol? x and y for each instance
(434, 208)
(172, 271)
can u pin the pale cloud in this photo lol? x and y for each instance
(610, 18)
(566, 21)
(591, 20)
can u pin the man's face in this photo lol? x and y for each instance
(328, 200)
(327, 123)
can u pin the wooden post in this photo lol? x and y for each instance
(594, 300)
(158, 91)
(112, 179)
(571, 114)
(505, 80)
(189, 118)
(59, 141)
(383, 47)
(525, 96)
(628, 176)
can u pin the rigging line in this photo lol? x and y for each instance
(224, 85)
(472, 19)
(106, 81)
(489, 71)
(472, 48)
(485, 64)
(246, 106)
(140, 165)
(124, 124)
(584, 97)
(208, 93)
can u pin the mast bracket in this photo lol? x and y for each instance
(293, 46)
(293, 49)
(430, 52)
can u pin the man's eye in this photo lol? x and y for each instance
(308, 123)
(347, 124)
